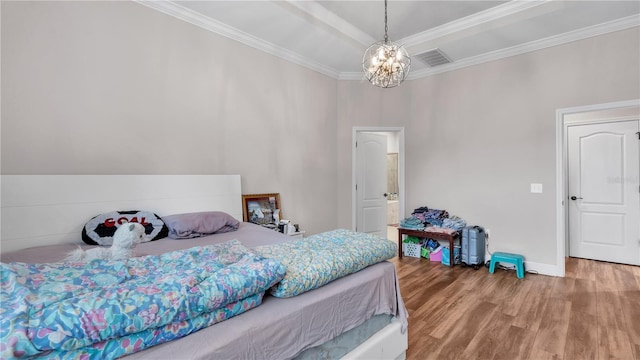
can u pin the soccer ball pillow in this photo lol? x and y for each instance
(100, 229)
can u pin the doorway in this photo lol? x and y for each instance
(598, 183)
(394, 165)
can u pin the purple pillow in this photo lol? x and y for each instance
(192, 225)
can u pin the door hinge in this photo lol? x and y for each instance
(356, 187)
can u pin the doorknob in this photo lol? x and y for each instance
(385, 194)
(575, 198)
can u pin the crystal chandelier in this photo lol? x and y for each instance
(385, 63)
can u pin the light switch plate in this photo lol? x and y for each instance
(536, 188)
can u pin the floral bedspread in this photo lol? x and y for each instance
(319, 259)
(81, 310)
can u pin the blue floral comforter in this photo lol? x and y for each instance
(106, 309)
(319, 259)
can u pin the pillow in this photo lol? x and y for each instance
(100, 229)
(322, 258)
(192, 225)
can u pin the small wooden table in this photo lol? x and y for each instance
(429, 234)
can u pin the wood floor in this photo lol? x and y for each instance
(461, 313)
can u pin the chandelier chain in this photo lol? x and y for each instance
(386, 28)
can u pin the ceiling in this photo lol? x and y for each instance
(331, 36)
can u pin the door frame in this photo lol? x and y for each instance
(562, 213)
(401, 159)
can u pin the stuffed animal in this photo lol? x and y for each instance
(124, 240)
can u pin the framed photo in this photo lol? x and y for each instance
(259, 208)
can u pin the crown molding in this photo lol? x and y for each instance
(175, 10)
(595, 30)
(180, 12)
(591, 31)
(482, 17)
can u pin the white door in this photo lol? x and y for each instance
(604, 191)
(371, 183)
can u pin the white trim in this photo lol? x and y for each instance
(591, 31)
(600, 29)
(323, 14)
(355, 76)
(401, 170)
(561, 171)
(178, 11)
(479, 18)
(560, 194)
(542, 269)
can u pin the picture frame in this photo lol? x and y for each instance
(259, 208)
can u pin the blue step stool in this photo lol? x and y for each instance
(501, 257)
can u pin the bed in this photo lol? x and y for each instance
(357, 316)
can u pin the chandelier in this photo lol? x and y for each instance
(385, 63)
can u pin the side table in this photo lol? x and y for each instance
(429, 234)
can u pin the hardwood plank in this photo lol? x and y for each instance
(502, 289)
(516, 344)
(570, 267)
(461, 313)
(487, 341)
(539, 354)
(606, 279)
(519, 297)
(609, 310)
(582, 337)
(630, 301)
(430, 285)
(530, 313)
(421, 346)
(562, 288)
(416, 341)
(636, 272)
(477, 280)
(627, 279)
(446, 317)
(474, 320)
(585, 270)
(613, 344)
(636, 351)
(552, 333)
(428, 350)
(583, 298)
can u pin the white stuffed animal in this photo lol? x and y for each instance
(124, 240)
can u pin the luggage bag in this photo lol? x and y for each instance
(473, 239)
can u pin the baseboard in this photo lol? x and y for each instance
(542, 269)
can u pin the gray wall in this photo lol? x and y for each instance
(476, 138)
(118, 88)
(109, 88)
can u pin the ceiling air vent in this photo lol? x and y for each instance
(433, 58)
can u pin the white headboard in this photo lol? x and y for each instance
(52, 209)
